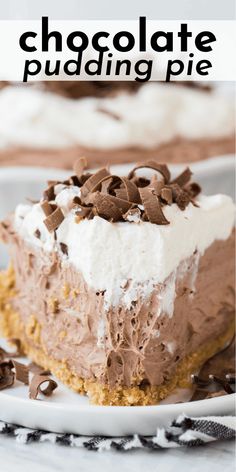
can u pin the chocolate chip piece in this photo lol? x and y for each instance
(37, 234)
(64, 248)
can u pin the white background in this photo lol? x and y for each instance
(118, 9)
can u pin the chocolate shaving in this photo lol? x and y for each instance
(7, 376)
(80, 166)
(183, 178)
(161, 168)
(152, 207)
(106, 207)
(166, 195)
(180, 196)
(37, 234)
(36, 386)
(49, 194)
(37, 369)
(109, 113)
(21, 372)
(54, 220)
(64, 248)
(113, 197)
(193, 189)
(47, 208)
(93, 182)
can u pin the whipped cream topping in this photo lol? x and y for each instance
(152, 116)
(126, 259)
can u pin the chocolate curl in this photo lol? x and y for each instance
(180, 196)
(161, 168)
(166, 195)
(7, 376)
(106, 184)
(21, 372)
(106, 207)
(80, 166)
(93, 182)
(183, 178)
(53, 221)
(152, 207)
(127, 191)
(36, 383)
(132, 193)
(37, 369)
(193, 189)
(47, 208)
(49, 193)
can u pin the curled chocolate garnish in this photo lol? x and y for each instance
(36, 386)
(166, 195)
(112, 197)
(183, 178)
(80, 166)
(161, 168)
(93, 182)
(180, 196)
(106, 207)
(21, 371)
(7, 376)
(193, 189)
(152, 207)
(49, 193)
(11, 370)
(47, 208)
(54, 220)
(37, 369)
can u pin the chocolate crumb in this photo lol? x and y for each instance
(37, 234)
(64, 248)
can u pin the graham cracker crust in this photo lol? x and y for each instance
(11, 326)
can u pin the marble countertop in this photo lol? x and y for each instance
(16, 457)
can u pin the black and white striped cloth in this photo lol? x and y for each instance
(185, 431)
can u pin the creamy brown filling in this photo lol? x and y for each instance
(121, 346)
(176, 151)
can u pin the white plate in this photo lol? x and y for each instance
(68, 412)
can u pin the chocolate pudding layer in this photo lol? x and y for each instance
(117, 355)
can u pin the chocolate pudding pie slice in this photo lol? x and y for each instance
(121, 286)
